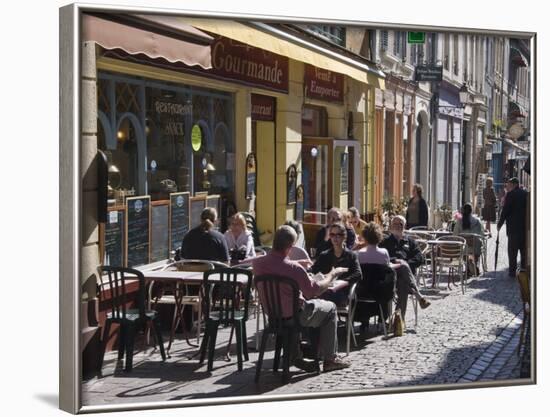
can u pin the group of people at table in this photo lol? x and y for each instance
(341, 246)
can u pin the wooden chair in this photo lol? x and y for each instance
(525, 292)
(130, 320)
(286, 329)
(225, 302)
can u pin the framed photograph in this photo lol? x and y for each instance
(163, 112)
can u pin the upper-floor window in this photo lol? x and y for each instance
(455, 54)
(400, 45)
(384, 40)
(334, 34)
(446, 51)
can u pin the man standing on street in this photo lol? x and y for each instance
(514, 212)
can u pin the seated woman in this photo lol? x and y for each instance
(338, 256)
(203, 242)
(470, 224)
(297, 252)
(405, 280)
(239, 239)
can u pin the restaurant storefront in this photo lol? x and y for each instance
(175, 136)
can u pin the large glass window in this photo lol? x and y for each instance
(164, 137)
(315, 159)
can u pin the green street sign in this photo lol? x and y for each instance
(416, 37)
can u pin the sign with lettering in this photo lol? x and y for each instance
(323, 84)
(137, 230)
(114, 239)
(179, 218)
(263, 108)
(291, 178)
(416, 37)
(428, 73)
(245, 63)
(198, 204)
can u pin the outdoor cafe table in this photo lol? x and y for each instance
(174, 278)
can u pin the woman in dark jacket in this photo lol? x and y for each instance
(203, 242)
(338, 256)
(417, 209)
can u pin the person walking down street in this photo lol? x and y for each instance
(470, 224)
(322, 239)
(405, 257)
(417, 208)
(338, 256)
(489, 210)
(514, 213)
(203, 242)
(314, 312)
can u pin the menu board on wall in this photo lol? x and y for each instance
(159, 232)
(481, 179)
(198, 204)
(344, 172)
(137, 230)
(179, 218)
(114, 238)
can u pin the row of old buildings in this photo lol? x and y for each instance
(285, 121)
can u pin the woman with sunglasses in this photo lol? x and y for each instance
(338, 256)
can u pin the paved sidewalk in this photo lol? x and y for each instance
(460, 338)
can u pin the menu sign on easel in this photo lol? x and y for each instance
(114, 239)
(198, 204)
(138, 230)
(159, 232)
(179, 218)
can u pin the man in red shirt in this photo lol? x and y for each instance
(313, 312)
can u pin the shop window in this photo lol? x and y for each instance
(315, 160)
(149, 136)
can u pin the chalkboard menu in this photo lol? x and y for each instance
(214, 201)
(481, 179)
(299, 215)
(114, 238)
(344, 173)
(291, 185)
(159, 232)
(179, 218)
(198, 204)
(137, 230)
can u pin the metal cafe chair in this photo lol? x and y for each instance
(225, 302)
(130, 320)
(474, 246)
(347, 311)
(286, 329)
(450, 254)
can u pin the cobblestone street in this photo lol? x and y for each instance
(459, 338)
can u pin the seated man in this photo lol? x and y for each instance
(405, 257)
(313, 312)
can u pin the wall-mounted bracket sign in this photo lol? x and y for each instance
(299, 215)
(250, 176)
(428, 73)
(291, 185)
